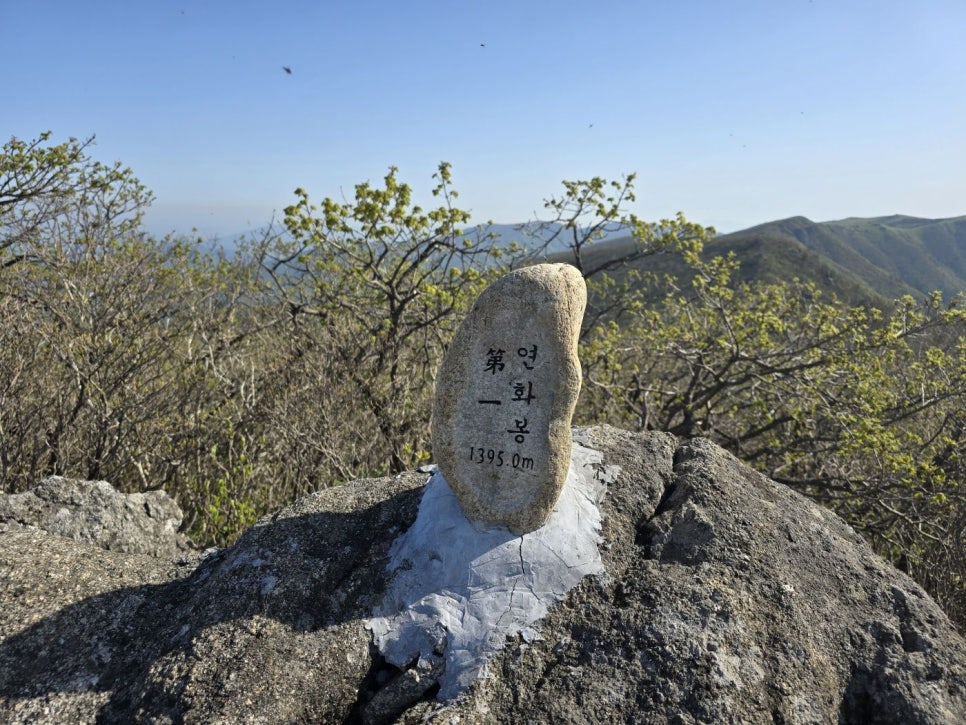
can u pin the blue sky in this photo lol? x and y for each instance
(733, 112)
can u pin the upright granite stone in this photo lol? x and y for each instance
(505, 396)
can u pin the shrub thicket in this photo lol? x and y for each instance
(306, 357)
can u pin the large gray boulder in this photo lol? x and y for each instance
(724, 598)
(93, 511)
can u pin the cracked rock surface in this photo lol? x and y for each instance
(724, 597)
(92, 511)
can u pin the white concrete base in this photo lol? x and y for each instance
(458, 590)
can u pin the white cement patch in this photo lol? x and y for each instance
(457, 591)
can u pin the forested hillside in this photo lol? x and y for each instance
(307, 357)
(893, 255)
(858, 260)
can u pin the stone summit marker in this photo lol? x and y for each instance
(505, 396)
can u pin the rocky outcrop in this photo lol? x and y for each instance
(92, 511)
(724, 597)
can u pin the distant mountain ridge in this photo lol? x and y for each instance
(860, 260)
(892, 255)
(532, 234)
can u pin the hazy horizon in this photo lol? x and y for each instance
(733, 113)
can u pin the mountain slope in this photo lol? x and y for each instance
(860, 261)
(893, 254)
(763, 257)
